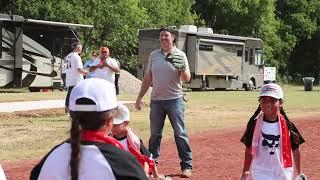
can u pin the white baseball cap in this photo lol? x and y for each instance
(271, 90)
(100, 91)
(123, 115)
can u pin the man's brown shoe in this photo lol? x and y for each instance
(186, 173)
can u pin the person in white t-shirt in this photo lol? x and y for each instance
(74, 70)
(105, 67)
(272, 141)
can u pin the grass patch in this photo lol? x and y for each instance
(31, 135)
(23, 138)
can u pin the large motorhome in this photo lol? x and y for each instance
(32, 51)
(216, 61)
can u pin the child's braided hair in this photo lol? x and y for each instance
(294, 135)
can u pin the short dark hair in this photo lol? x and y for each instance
(166, 29)
(75, 45)
(170, 30)
(95, 52)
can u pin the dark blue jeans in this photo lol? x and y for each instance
(175, 110)
(68, 96)
(63, 76)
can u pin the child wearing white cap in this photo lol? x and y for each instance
(132, 143)
(89, 153)
(271, 139)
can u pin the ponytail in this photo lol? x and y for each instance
(294, 135)
(248, 135)
(89, 120)
(255, 114)
(75, 147)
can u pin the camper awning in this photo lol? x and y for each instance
(20, 19)
(54, 23)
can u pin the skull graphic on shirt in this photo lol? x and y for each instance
(270, 142)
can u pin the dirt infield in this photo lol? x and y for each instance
(217, 154)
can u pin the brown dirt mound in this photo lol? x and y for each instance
(129, 84)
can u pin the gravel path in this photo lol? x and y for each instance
(35, 105)
(128, 84)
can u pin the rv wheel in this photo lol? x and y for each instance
(196, 89)
(249, 86)
(34, 89)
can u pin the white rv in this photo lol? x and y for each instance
(32, 51)
(216, 61)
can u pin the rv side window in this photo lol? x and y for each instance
(251, 56)
(258, 57)
(204, 46)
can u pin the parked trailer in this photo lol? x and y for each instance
(216, 61)
(32, 51)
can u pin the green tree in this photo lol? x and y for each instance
(116, 22)
(299, 23)
(254, 18)
(305, 59)
(168, 12)
(116, 26)
(282, 24)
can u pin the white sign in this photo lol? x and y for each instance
(269, 73)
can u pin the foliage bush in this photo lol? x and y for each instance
(285, 26)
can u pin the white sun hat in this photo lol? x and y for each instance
(123, 114)
(271, 90)
(100, 91)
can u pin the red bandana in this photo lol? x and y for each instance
(98, 136)
(286, 154)
(134, 147)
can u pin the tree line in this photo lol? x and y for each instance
(290, 29)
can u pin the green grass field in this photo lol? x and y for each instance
(31, 135)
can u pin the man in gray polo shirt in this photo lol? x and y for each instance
(167, 68)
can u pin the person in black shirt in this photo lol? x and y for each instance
(90, 153)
